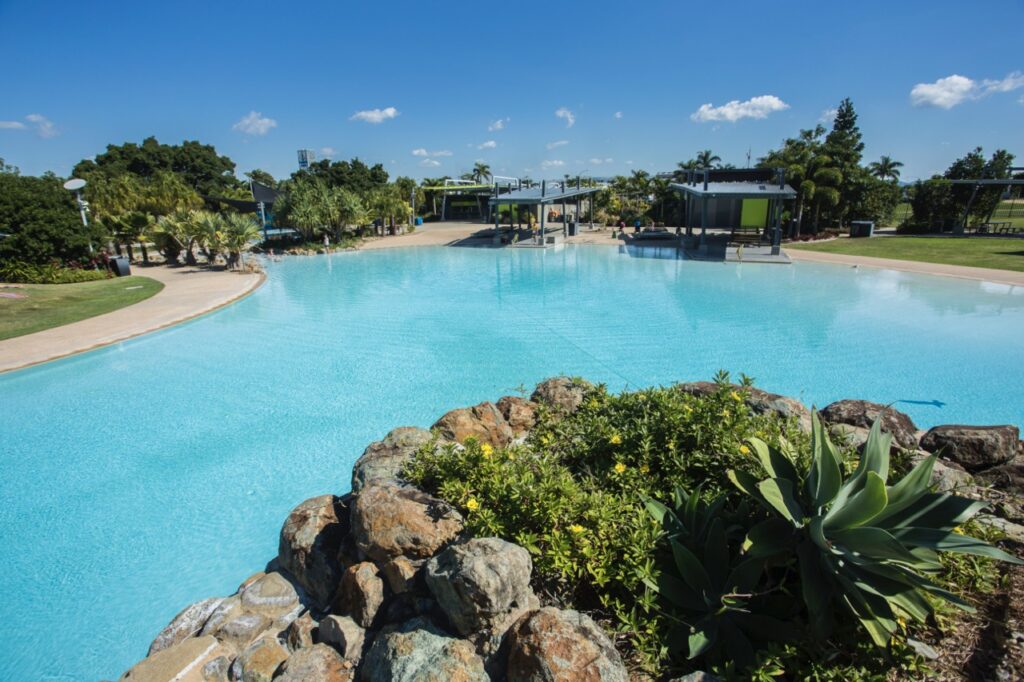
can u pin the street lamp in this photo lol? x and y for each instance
(75, 185)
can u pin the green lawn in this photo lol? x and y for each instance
(978, 252)
(51, 305)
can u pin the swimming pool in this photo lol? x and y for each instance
(144, 476)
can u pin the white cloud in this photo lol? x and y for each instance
(420, 152)
(255, 123)
(617, 114)
(552, 163)
(950, 91)
(12, 125)
(490, 144)
(755, 107)
(430, 163)
(374, 115)
(629, 163)
(499, 124)
(570, 118)
(597, 162)
(328, 152)
(556, 144)
(42, 126)
(828, 115)
(944, 93)
(423, 152)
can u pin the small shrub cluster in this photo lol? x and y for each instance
(30, 273)
(718, 539)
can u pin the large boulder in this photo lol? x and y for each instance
(484, 422)
(402, 575)
(383, 460)
(759, 402)
(419, 651)
(260, 661)
(863, 414)
(521, 414)
(272, 595)
(267, 603)
(361, 594)
(345, 635)
(390, 521)
(483, 586)
(563, 394)
(182, 662)
(947, 476)
(186, 624)
(975, 448)
(551, 644)
(318, 663)
(1007, 477)
(310, 544)
(302, 632)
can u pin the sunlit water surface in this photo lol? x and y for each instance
(144, 476)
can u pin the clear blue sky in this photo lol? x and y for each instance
(76, 77)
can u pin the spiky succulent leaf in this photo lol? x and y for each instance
(863, 506)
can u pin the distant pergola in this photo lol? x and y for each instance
(699, 187)
(978, 183)
(563, 193)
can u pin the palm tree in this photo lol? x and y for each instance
(481, 172)
(886, 168)
(706, 159)
(238, 232)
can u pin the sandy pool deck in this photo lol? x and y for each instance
(188, 292)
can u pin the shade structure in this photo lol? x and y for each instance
(555, 194)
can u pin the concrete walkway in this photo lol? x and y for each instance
(187, 293)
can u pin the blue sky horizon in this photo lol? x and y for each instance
(531, 89)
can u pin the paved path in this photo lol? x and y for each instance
(187, 292)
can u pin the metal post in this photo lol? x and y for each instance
(959, 229)
(263, 219)
(703, 222)
(777, 232)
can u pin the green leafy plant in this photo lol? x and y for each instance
(30, 273)
(709, 585)
(860, 543)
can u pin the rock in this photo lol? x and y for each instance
(318, 663)
(243, 629)
(302, 632)
(418, 651)
(521, 414)
(698, 676)
(260, 661)
(182, 662)
(401, 575)
(1012, 531)
(310, 542)
(1008, 477)
(484, 422)
(388, 521)
(551, 644)
(759, 402)
(563, 394)
(851, 436)
(272, 595)
(186, 624)
(974, 447)
(383, 460)
(345, 635)
(949, 476)
(361, 594)
(922, 649)
(863, 414)
(483, 586)
(217, 670)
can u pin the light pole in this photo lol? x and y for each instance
(75, 185)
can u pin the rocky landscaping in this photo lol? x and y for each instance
(387, 583)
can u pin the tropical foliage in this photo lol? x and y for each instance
(939, 204)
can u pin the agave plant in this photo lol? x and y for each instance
(859, 542)
(707, 584)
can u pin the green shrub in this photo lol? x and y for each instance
(863, 547)
(29, 273)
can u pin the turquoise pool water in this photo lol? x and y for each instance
(147, 475)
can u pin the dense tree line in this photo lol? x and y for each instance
(938, 204)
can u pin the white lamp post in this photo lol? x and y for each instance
(75, 185)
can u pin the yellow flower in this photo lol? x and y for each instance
(744, 450)
(487, 449)
(902, 622)
(472, 504)
(620, 467)
(576, 528)
(616, 439)
(725, 413)
(545, 439)
(688, 408)
(959, 530)
(736, 396)
(593, 404)
(511, 455)
(644, 468)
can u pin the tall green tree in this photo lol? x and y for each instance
(261, 176)
(39, 222)
(844, 145)
(481, 172)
